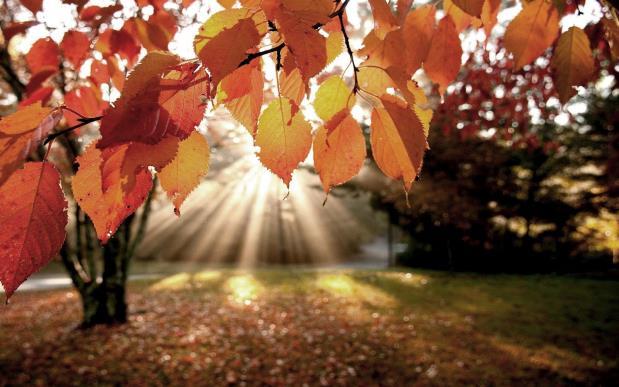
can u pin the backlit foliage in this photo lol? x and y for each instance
(151, 128)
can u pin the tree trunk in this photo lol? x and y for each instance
(104, 302)
(103, 296)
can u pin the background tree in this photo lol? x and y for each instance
(107, 70)
(500, 192)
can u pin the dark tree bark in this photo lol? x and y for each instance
(103, 296)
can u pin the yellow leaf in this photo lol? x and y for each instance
(284, 138)
(335, 45)
(332, 96)
(183, 174)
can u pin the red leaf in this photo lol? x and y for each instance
(37, 79)
(33, 5)
(43, 54)
(75, 46)
(160, 99)
(85, 101)
(32, 222)
(39, 95)
(16, 28)
(99, 73)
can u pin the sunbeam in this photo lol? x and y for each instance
(243, 215)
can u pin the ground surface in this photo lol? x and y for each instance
(279, 327)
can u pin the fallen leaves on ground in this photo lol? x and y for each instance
(342, 328)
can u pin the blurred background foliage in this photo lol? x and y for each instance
(541, 194)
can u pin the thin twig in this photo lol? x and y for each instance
(258, 54)
(272, 27)
(348, 48)
(83, 122)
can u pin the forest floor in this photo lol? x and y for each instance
(347, 327)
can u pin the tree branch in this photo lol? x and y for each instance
(143, 221)
(83, 122)
(348, 48)
(9, 75)
(339, 13)
(258, 54)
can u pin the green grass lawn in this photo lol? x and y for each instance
(284, 327)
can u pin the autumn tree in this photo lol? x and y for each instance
(105, 107)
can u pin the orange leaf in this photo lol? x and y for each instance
(75, 46)
(138, 157)
(445, 54)
(242, 93)
(472, 7)
(117, 75)
(398, 140)
(385, 53)
(489, 13)
(108, 209)
(159, 99)
(291, 85)
(32, 223)
(224, 39)
(152, 36)
(284, 138)
(418, 28)
(226, 3)
(339, 151)
(183, 174)
(572, 62)
(384, 20)
(461, 19)
(118, 42)
(402, 9)
(307, 47)
(21, 132)
(331, 97)
(43, 54)
(532, 31)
